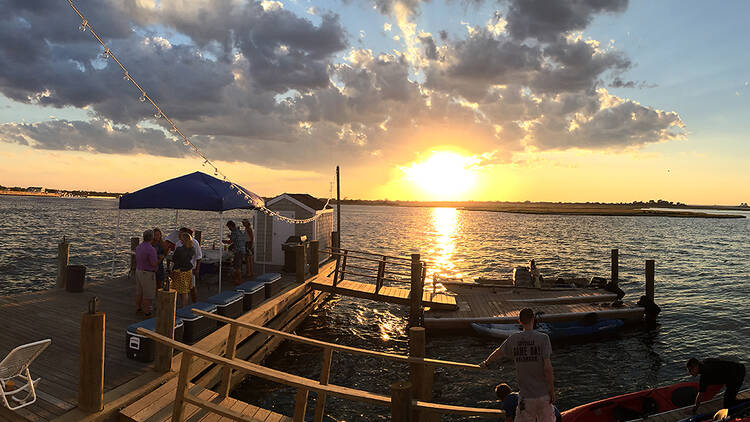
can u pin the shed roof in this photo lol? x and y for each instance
(304, 199)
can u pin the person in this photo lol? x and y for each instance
(249, 248)
(196, 261)
(717, 372)
(536, 276)
(146, 263)
(161, 247)
(182, 271)
(237, 243)
(509, 401)
(531, 351)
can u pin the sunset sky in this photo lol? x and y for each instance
(582, 100)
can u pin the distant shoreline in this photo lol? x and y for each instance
(632, 212)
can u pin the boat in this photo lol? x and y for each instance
(639, 405)
(554, 330)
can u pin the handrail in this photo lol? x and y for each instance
(329, 250)
(338, 347)
(364, 258)
(401, 273)
(395, 280)
(308, 384)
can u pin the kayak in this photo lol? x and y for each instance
(638, 405)
(555, 330)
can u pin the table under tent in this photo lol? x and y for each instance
(196, 191)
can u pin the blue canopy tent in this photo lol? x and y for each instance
(195, 191)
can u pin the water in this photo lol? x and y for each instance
(702, 285)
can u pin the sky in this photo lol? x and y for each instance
(510, 100)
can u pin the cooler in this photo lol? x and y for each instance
(272, 282)
(196, 326)
(254, 293)
(140, 347)
(229, 303)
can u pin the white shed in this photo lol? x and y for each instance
(270, 232)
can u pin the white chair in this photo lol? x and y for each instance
(15, 377)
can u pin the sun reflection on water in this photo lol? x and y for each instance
(446, 225)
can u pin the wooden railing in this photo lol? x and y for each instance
(400, 402)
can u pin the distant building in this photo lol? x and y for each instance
(35, 189)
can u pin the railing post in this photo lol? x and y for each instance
(300, 263)
(401, 401)
(199, 236)
(335, 244)
(166, 306)
(416, 311)
(381, 274)
(226, 381)
(314, 257)
(134, 241)
(615, 275)
(91, 360)
(650, 264)
(182, 381)
(420, 375)
(337, 270)
(63, 251)
(300, 405)
(325, 373)
(343, 265)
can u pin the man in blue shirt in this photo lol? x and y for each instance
(509, 402)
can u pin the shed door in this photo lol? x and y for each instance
(281, 232)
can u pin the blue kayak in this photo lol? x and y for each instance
(554, 330)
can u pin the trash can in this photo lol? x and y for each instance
(75, 278)
(290, 251)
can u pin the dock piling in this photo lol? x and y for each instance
(166, 305)
(300, 263)
(325, 373)
(650, 264)
(615, 276)
(91, 360)
(416, 310)
(421, 376)
(314, 257)
(63, 252)
(401, 401)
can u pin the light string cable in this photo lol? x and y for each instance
(177, 133)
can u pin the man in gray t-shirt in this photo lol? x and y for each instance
(530, 350)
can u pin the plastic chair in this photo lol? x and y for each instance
(15, 377)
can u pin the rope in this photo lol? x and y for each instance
(144, 97)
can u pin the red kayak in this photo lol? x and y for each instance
(639, 404)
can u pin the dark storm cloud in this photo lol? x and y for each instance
(430, 48)
(546, 20)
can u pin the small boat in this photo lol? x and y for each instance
(555, 330)
(639, 405)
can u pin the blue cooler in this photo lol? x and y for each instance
(254, 293)
(229, 303)
(196, 326)
(141, 348)
(272, 282)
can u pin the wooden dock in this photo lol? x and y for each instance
(709, 407)
(386, 294)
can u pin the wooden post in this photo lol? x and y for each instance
(615, 275)
(91, 361)
(198, 236)
(650, 264)
(166, 304)
(182, 380)
(226, 382)
(335, 241)
(325, 373)
(63, 251)
(300, 264)
(420, 375)
(416, 310)
(314, 257)
(300, 405)
(134, 241)
(381, 274)
(338, 208)
(401, 401)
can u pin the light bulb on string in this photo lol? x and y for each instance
(157, 115)
(105, 54)
(142, 97)
(126, 77)
(83, 25)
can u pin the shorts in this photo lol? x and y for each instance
(145, 284)
(182, 281)
(535, 410)
(239, 256)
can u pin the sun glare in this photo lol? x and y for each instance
(444, 176)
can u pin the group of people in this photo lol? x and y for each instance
(531, 351)
(151, 271)
(242, 247)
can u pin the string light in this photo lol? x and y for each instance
(107, 54)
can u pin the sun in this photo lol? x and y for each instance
(444, 175)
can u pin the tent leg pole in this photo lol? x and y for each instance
(117, 240)
(176, 214)
(221, 245)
